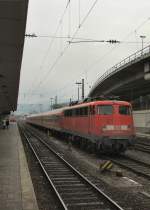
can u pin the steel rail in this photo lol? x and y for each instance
(137, 161)
(142, 148)
(113, 204)
(134, 165)
(45, 172)
(143, 143)
(139, 172)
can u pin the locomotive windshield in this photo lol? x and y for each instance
(105, 109)
(124, 110)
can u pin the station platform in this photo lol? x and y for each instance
(16, 189)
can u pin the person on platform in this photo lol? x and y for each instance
(4, 124)
(7, 123)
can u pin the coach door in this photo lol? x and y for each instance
(91, 119)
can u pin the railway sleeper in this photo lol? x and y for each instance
(64, 171)
(53, 173)
(84, 193)
(89, 199)
(74, 189)
(70, 185)
(63, 178)
(99, 205)
(66, 182)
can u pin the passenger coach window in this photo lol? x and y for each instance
(68, 113)
(125, 110)
(105, 109)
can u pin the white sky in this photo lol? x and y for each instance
(41, 79)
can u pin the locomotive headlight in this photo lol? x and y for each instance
(124, 127)
(108, 127)
(115, 127)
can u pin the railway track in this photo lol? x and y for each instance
(137, 166)
(144, 143)
(74, 191)
(142, 146)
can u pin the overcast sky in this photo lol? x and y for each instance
(51, 66)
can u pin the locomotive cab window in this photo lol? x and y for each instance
(105, 109)
(92, 110)
(85, 111)
(125, 110)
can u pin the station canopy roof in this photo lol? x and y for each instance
(13, 15)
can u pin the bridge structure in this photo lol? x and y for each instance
(13, 16)
(128, 79)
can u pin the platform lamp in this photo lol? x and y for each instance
(142, 38)
(78, 83)
(51, 106)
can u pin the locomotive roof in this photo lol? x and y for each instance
(60, 111)
(56, 111)
(109, 102)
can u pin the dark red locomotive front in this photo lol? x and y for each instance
(107, 124)
(103, 125)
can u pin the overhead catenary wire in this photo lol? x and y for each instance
(89, 68)
(45, 77)
(66, 86)
(116, 46)
(79, 11)
(78, 28)
(69, 21)
(88, 40)
(59, 24)
(53, 37)
(88, 13)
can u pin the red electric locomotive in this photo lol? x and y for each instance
(104, 125)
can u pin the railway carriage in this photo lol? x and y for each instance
(102, 125)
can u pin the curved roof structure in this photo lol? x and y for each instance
(13, 15)
(128, 79)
